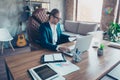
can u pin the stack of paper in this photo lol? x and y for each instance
(64, 68)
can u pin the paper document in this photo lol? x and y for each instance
(64, 68)
(113, 43)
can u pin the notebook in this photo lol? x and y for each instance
(82, 44)
(50, 58)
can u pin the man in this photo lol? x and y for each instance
(51, 34)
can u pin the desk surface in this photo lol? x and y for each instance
(91, 66)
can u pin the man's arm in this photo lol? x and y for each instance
(62, 37)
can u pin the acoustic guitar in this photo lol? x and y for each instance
(21, 41)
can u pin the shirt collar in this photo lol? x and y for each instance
(51, 24)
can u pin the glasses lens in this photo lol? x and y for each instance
(57, 18)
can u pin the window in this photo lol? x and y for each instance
(89, 10)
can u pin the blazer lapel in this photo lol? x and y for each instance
(50, 33)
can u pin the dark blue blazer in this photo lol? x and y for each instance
(45, 38)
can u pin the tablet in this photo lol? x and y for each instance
(43, 72)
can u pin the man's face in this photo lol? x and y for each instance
(56, 18)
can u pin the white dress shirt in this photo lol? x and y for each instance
(54, 33)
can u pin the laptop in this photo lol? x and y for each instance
(82, 44)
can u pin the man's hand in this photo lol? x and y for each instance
(63, 49)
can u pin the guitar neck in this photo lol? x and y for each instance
(20, 27)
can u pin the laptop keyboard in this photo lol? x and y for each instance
(70, 53)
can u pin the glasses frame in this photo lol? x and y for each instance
(57, 18)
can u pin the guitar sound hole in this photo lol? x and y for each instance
(21, 37)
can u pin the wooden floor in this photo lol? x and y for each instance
(9, 52)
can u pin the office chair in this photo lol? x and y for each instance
(38, 16)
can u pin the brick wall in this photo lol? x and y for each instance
(107, 15)
(69, 9)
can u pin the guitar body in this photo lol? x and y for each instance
(21, 41)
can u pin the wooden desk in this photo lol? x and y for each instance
(91, 66)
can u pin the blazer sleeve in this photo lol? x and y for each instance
(44, 40)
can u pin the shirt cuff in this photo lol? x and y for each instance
(72, 39)
(57, 48)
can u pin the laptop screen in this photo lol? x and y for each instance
(83, 43)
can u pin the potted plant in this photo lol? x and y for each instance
(100, 50)
(113, 31)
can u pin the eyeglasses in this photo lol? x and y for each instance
(57, 17)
